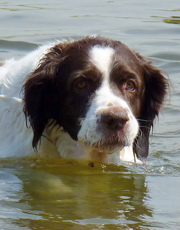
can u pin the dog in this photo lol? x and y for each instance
(92, 99)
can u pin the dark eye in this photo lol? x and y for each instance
(80, 83)
(130, 86)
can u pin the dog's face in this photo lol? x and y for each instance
(100, 92)
(109, 123)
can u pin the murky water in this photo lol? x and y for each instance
(64, 194)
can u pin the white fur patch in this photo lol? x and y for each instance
(101, 57)
(15, 137)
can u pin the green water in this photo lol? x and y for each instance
(66, 194)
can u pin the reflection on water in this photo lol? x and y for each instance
(74, 195)
(61, 194)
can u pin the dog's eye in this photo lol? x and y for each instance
(80, 84)
(130, 86)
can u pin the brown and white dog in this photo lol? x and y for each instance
(93, 99)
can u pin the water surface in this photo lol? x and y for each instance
(65, 194)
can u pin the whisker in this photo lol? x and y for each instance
(143, 120)
(137, 145)
(145, 127)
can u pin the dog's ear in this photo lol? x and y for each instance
(41, 93)
(155, 90)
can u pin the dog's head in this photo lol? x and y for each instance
(100, 92)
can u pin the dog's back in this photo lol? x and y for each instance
(15, 138)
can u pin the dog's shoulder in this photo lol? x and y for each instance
(13, 72)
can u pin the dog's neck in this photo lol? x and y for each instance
(57, 143)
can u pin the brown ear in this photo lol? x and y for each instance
(41, 93)
(156, 86)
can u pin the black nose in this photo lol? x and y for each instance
(114, 119)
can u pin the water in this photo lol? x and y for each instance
(65, 194)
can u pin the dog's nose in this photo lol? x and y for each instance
(114, 119)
